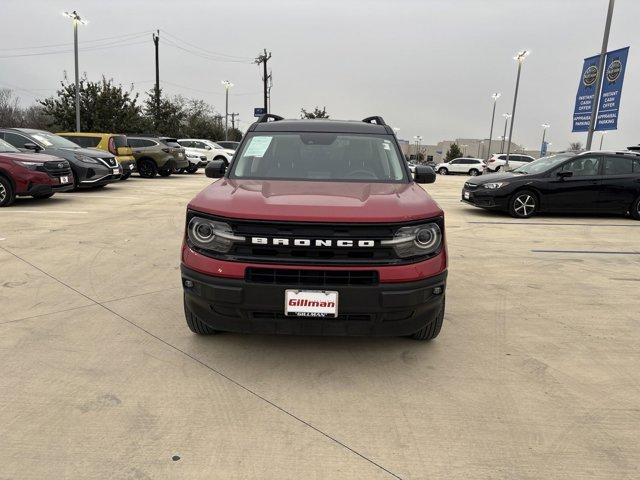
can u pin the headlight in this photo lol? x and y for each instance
(416, 240)
(29, 165)
(211, 235)
(493, 186)
(84, 158)
(193, 155)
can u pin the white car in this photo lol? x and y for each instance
(499, 160)
(470, 166)
(209, 149)
(196, 160)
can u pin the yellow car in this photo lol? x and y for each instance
(110, 142)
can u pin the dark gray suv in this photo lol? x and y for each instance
(91, 167)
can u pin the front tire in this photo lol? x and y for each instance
(147, 168)
(523, 204)
(474, 173)
(443, 171)
(635, 209)
(194, 323)
(125, 175)
(7, 195)
(432, 330)
(192, 169)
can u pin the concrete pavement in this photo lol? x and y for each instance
(536, 373)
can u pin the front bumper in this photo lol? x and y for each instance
(485, 199)
(385, 309)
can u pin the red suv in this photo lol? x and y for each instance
(28, 174)
(317, 227)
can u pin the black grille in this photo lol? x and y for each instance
(351, 317)
(301, 255)
(57, 169)
(111, 162)
(316, 278)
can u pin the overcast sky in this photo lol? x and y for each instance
(427, 66)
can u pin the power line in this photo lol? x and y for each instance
(202, 55)
(129, 36)
(208, 52)
(88, 49)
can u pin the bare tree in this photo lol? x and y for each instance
(575, 146)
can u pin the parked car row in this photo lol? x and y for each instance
(39, 163)
(587, 182)
(475, 166)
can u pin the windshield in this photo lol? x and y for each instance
(7, 148)
(543, 164)
(320, 157)
(50, 140)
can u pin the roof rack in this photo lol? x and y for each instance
(265, 118)
(375, 119)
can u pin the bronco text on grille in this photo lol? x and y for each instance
(316, 227)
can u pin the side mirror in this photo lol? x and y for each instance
(215, 169)
(424, 174)
(563, 175)
(32, 146)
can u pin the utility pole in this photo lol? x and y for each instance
(227, 85)
(76, 19)
(520, 56)
(233, 120)
(156, 42)
(596, 94)
(263, 58)
(506, 116)
(495, 97)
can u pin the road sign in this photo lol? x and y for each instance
(609, 105)
(258, 112)
(585, 98)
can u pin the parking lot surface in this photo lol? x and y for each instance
(536, 373)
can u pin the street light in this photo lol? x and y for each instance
(418, 139)
(520, 57)
(76, 19)
(602, 139)
(506, 116)
(495, 97)
(227, 85)
(544, 133)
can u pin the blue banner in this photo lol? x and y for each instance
(259, 111)
(609, 105)
(585, 98)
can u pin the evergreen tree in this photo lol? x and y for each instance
(453, 152)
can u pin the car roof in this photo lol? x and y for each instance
(90, 134)
(320, 125)
(610, 152)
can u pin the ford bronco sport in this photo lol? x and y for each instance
(317, 227)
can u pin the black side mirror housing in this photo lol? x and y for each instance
(424, 174)
(32, 146)
(215, 169)
(565, 174)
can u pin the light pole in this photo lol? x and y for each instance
(76, 19)
(495, 97)
(544, 133)
(602, 139)
(506, 116)
(418, 139)
(596, 96)
(520, 56)
(227, 85)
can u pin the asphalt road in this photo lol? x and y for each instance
(536, 373)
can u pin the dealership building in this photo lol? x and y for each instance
(470, 147)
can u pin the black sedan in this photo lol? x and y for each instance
(588, 182)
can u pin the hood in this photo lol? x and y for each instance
(30, 157)
(316, 201)
(89, 152)
(229, 151)
(494, 177)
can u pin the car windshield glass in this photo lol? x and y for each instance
(7, 148)
(50, 140)
(543, 164)
(320, 157)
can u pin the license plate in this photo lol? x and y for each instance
(64, 179)
(311, 303)
(467, 195)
